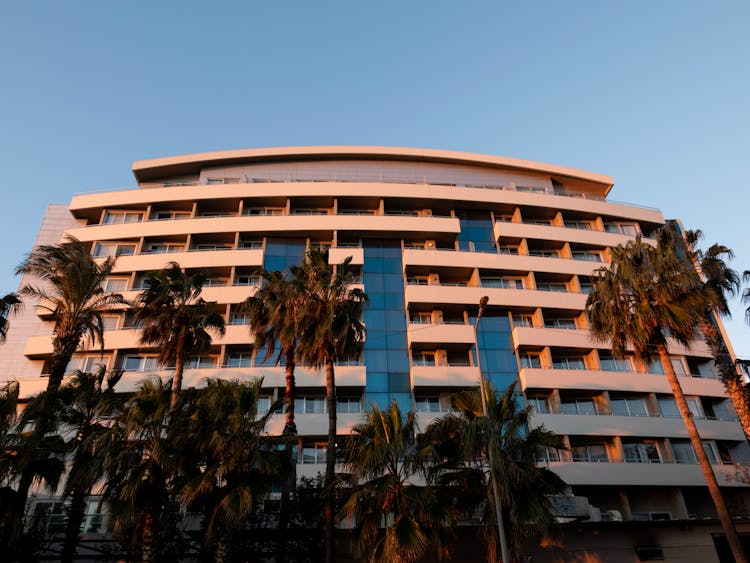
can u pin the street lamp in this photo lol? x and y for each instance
(493, 478)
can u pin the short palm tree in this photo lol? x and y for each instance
(645, 292)
(398, 519)
(88, 400)
(9, 304)
(330, 328)
(461, 443)
(72, 291)
(175, 318)
(140, 465)
(720, 281)
(225, 432)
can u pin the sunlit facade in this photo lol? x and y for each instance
(429, 233)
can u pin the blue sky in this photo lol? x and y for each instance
(652, 93)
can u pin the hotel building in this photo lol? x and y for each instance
(429, 233)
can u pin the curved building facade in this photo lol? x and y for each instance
(429, 233)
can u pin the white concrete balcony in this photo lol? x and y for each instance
(493, 260)
(644, 474)
(337, 254)
(654, 426)
(581, 338)
(440, 333)
(445, 376)
(470, 295)
(595, 380)
(315, 424)
(561, 234)
(271, 224)
(191, 259)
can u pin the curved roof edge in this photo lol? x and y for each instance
(146, 170)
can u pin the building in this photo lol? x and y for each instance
(429, 232)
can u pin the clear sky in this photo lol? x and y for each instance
(654, 94)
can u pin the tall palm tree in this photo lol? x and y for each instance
(140, 466)
(274, 312)
(330, 328)
(384, 459)
(9, 304)
(175, 318)
(88, 400)
(461, 445)
(72, 291)
(720, 281)
(226, 433)
(646, 290)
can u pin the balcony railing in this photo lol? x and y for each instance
(636, 415)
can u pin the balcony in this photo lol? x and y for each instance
(445, 376)
(470, 295)
(561, 234)
(622, 473)
(190, 259)
(441, 333)
(596, 380)
(619, 425)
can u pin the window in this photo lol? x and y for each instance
(140, 363)
(90, 364)
(521, 319)
(105, 250)
(315, 453)
(348, 405)
(240, 359)
(587, 287)
(418, 280)
(310, 404)
(567, 324)
(531, 189)
(539, 403)
(695, 406)
(587, 255)
(584, 225)
(216, 181)
(678, 366)
(201, 362)
(168, 215)
(530, 360)
(568, 362)
(111, 217)
(239, 319)
(506, 249)
(578, 406)
(256, 244)
(424, 359)
(628, 406)
(164, 247)
(427, 404)
(641, 452)
(590, 452)
(548, 286)
(247, 279)
(504, 282)
(116, 284)
(545, 253)
(305, 211)
(264, 404)
(421, 318)
(683, 451)
(215, 281)
(668, 407)
(656, 367)
(610, 363)
(629, 229)
(110, 322)
(263, 211)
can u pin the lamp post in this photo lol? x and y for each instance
(490, 456)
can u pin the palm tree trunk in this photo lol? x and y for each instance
(76, 514)
(224, 545)
(64, 348)
(148, 538)
(732, 380)
(289, 478)
(179, 367)
(708, 473)
(329, 511)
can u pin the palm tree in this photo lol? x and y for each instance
(461, 444)
(140, 465)
(720, 281)
(9, 304)
(73, 293)
(330, 328)
(384, 459)
(176, 319)
(645, 291)
(88, 400)
(274, 314)
(226, 433)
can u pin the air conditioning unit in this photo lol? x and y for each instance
(430, 245)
